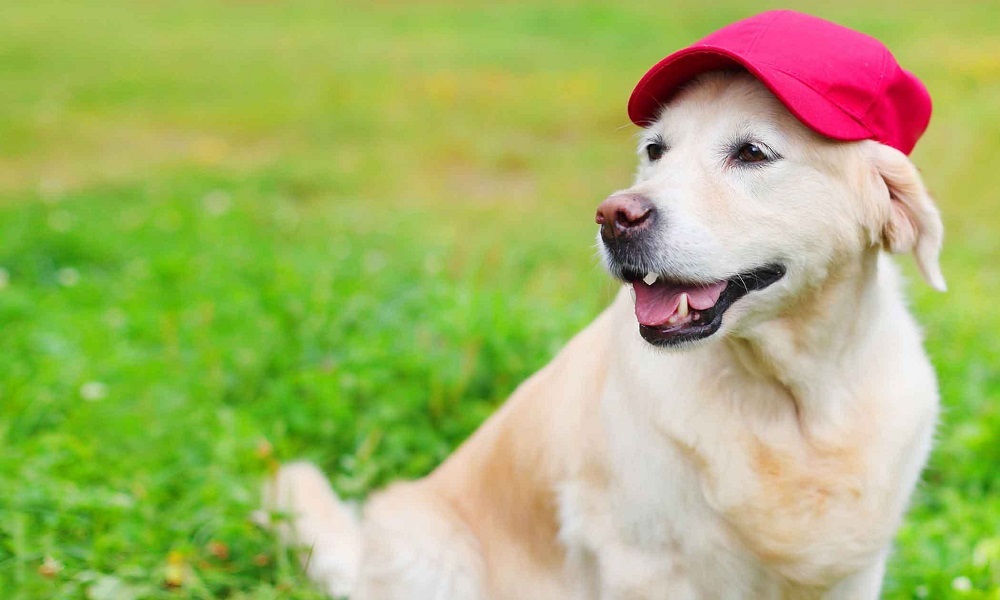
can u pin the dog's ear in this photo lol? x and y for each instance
(912, 222)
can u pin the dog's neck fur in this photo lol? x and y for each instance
(830, 330)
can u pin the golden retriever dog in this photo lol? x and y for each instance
(758, 435)
(750, 415)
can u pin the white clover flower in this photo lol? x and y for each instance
(92, 391)
(68, 276)
(217, 202)
(961, 584)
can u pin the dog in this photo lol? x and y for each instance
(747, 419)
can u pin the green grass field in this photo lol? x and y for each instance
(240, 232)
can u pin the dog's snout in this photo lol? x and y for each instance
(623, 215)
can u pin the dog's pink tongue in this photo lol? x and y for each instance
(655, 304)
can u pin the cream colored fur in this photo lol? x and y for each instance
(774, 459)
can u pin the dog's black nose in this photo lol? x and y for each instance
(624, 215)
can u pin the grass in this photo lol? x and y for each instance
(239, 232)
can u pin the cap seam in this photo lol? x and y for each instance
(760, 33)
(858, 119)
(878, 87)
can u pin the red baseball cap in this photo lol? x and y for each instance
(840, 83)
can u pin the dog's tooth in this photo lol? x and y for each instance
(672, 320)
(682, 308)
(650, 278)
(631, 292)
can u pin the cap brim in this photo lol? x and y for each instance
(668, 76)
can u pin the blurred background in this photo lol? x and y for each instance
(236, 232)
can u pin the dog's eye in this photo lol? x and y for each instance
(654, 151)
(751, 153)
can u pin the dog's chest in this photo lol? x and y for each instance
(704, 514)
(650, 535)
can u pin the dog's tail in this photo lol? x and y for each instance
(303, 509)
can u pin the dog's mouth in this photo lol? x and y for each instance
(671, 312)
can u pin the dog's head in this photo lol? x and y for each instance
(738, 209)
